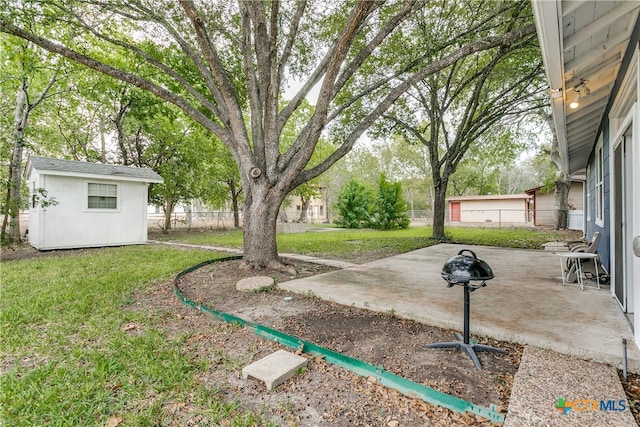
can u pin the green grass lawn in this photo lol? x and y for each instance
(348, 244)
(68, 359)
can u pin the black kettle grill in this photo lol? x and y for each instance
(461, 270)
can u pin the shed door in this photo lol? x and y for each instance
(455, 211)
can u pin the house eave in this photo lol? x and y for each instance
(583, 44)
(549, 29)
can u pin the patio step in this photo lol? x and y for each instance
(556, 247)
(547, 383)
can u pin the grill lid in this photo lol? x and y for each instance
(465, 268)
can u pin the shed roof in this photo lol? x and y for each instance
(491, 197)
(92, 170)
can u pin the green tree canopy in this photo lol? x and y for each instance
(234, 59)
(390, 208)
(355, 206)
(30, 77)
(468, 104)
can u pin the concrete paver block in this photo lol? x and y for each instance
(275, 368)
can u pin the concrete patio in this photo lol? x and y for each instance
(568, 333)
(525, 302)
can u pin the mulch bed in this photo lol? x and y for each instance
(335, 395)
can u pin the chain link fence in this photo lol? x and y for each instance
(498, 218)
(223, 220)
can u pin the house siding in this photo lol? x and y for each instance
(606, 230)
(592, 224)
(601, 126)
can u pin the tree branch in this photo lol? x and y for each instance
(301, 150)
(394, 94)
(238, 139)
(293, 31)
(101, 67)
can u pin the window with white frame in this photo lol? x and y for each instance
(102, 196)
(599, 188)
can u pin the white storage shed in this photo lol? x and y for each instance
(95, 204)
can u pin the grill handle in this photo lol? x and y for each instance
(470, 251)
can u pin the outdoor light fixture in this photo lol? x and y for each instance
(582, 90)
(555, 93)
(575, 103)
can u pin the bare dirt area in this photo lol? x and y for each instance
(26, 251)
(326, 395)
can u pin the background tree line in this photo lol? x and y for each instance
(452, 76)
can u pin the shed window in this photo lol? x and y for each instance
(103, 196)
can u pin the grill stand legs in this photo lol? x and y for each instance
(464, 342)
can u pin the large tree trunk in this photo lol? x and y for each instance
(561, 198)
(168, 208)
(562, 182)
(439, 205)
(261, 209)
(12, 215)
(235, 194)
(303, 211)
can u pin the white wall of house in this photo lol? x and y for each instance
(72, 224)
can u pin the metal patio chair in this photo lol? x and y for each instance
(573, 267)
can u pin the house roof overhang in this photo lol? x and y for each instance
(582, 42)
